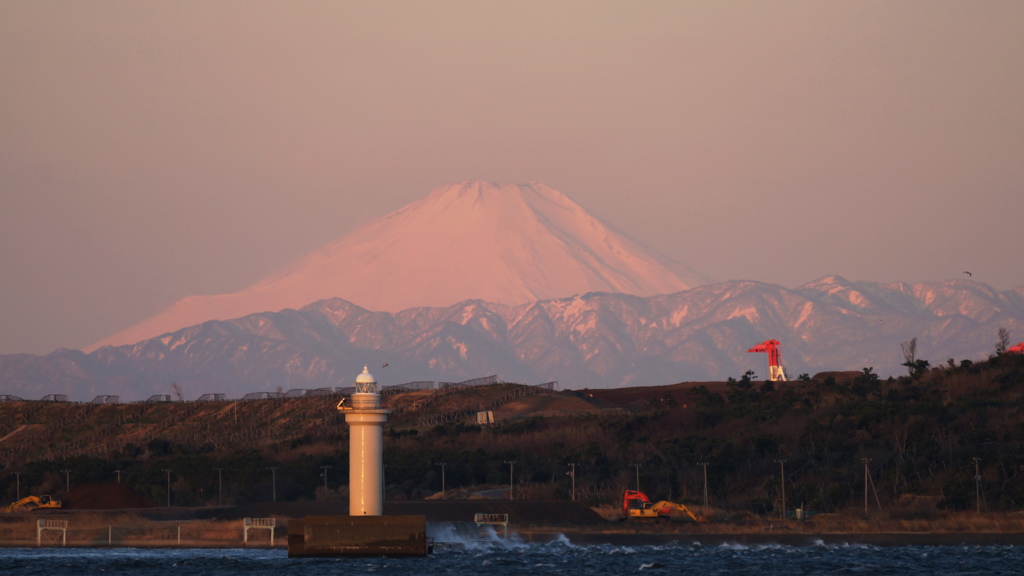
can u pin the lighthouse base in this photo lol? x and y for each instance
(357, 536)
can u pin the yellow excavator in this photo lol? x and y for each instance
(636, 505)
(33, 502)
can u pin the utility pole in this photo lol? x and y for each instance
(273, 482)
(118, 472)
(511, 479)
(637, 477)
(168, 487)
(325, 468)
(220, 486)
(782, 464)
(67, 480)
(977, 484)
(442, 465)
(865, 461)
(705, 465)
(572, 474)
(17, 480)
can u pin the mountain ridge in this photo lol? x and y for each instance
(592, 340)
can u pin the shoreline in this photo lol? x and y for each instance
(594, 538)
(529, 522)
(155, 536)
(585, 538)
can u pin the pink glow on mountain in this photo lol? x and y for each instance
(508, 244)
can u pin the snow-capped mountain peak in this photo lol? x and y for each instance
(507, 244)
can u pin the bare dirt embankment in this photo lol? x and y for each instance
(104, 496)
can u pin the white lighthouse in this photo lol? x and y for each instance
(366, 420)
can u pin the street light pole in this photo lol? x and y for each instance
(220, 486)
(443, 493)
(782, 463)
(168, 487)
(511, 477)
(273, 483)
(865, 461)
(325, 468)
(705, 465)
(572, 474)
(977, 484)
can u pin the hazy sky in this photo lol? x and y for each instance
(155, 150)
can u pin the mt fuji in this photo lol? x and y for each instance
(507, 244)
(519, 282)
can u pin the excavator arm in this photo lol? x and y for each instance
(665, 508)
(34, 502)
(634, 501)
(636, 505)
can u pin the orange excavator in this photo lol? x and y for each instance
(636, 505)
(33, 502)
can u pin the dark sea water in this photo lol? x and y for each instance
(559, 558)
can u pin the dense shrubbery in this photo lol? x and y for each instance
(920, 435)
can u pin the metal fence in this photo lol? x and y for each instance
(440, 388)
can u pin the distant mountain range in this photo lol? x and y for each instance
(595, 340)
(478, 279)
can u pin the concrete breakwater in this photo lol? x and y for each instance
(130, 531)
(225, 527)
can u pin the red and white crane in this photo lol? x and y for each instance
(775, 371)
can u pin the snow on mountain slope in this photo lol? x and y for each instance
(508, 244)
(591, 340)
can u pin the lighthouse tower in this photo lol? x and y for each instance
(366, 420)
(365, 531)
